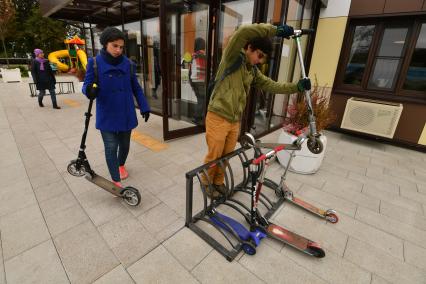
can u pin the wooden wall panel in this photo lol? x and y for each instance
(366, 7)
(398, 6)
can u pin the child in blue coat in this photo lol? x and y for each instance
(117, 85)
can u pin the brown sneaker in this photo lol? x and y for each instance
(221, 188)
(212, 194)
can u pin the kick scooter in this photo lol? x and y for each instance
(81, 167)
(259, 222)
(314, 145)
(249, 240)
(281, 189)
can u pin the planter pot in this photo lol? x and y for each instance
(304, 162)
(11, 75)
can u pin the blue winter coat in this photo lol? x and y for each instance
(115, 107)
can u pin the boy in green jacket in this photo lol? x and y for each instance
(228, 99)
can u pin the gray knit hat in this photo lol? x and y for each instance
(111, 34)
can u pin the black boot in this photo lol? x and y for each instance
(40, 104)
(56, 107)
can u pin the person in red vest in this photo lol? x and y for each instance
(197, 78)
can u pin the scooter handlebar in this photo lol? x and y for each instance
(303, 32)
(267, 155)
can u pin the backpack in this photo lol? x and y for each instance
(231, 69)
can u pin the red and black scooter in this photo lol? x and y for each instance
(257, 221)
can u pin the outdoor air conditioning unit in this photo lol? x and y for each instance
(372, 117)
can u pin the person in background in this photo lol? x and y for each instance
(43, 77)
(252, 43)
(197, 78)
(115, 89)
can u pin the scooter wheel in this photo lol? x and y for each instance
(315, 145)
(73, 170)
(249, 248)
(332, 218)
(315, 250)
(131, 196)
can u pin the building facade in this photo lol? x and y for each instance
(369, 56)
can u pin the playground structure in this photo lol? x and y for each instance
(74, 55)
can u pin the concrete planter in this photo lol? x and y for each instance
(304, 162)
(11, 75)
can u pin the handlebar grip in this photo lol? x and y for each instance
(258, 160)
(307, 31)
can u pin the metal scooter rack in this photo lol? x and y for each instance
(233, 187)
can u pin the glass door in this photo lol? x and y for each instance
(183, 51)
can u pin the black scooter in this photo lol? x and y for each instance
(81, 167)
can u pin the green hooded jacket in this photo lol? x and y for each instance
(229, 96)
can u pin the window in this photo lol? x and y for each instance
(416, 74)
(359, 54)
(385, 58)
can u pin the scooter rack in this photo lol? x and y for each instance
(231, 242)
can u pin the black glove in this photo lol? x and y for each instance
(304, 84)
(285, 31)
(145, 115)
(92, 91)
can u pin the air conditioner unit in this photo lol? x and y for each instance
(372, 117)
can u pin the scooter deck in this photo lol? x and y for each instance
(307, 206)
(297, 241)
(104, 183)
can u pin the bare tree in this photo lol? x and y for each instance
(7, 13)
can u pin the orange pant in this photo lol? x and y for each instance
(221, 137)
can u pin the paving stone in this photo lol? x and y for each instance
(353, 196)
(377, 183)
(159, 266)
(380, 263)
(341, 182)
(402, 215)
(415, 255)
(40, 264)
(13, 174)
(46, 180)
(16, 196)
(413, 194)
(84, 253)
(65, 219)
(148, 201)
(2, 272)
(58, 203)
(187, 248)
(392, 198)
(158, 218)
(375, 279)
(51, 190)
(22, 230)
(105, 210)
(400, 182)
(375, 237)
(117, 275)
(322, 198)
(273, 267)
(310, 226)
(170, 230)
(127, 238)
(332, 268)
(403, 231)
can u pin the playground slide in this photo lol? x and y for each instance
(82, 57)
(54, 58)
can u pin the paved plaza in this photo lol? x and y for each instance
(56, 228)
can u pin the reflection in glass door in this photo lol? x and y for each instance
(184, 38)
(152, 72)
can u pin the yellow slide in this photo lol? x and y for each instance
(82, 57)
(54, 58)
